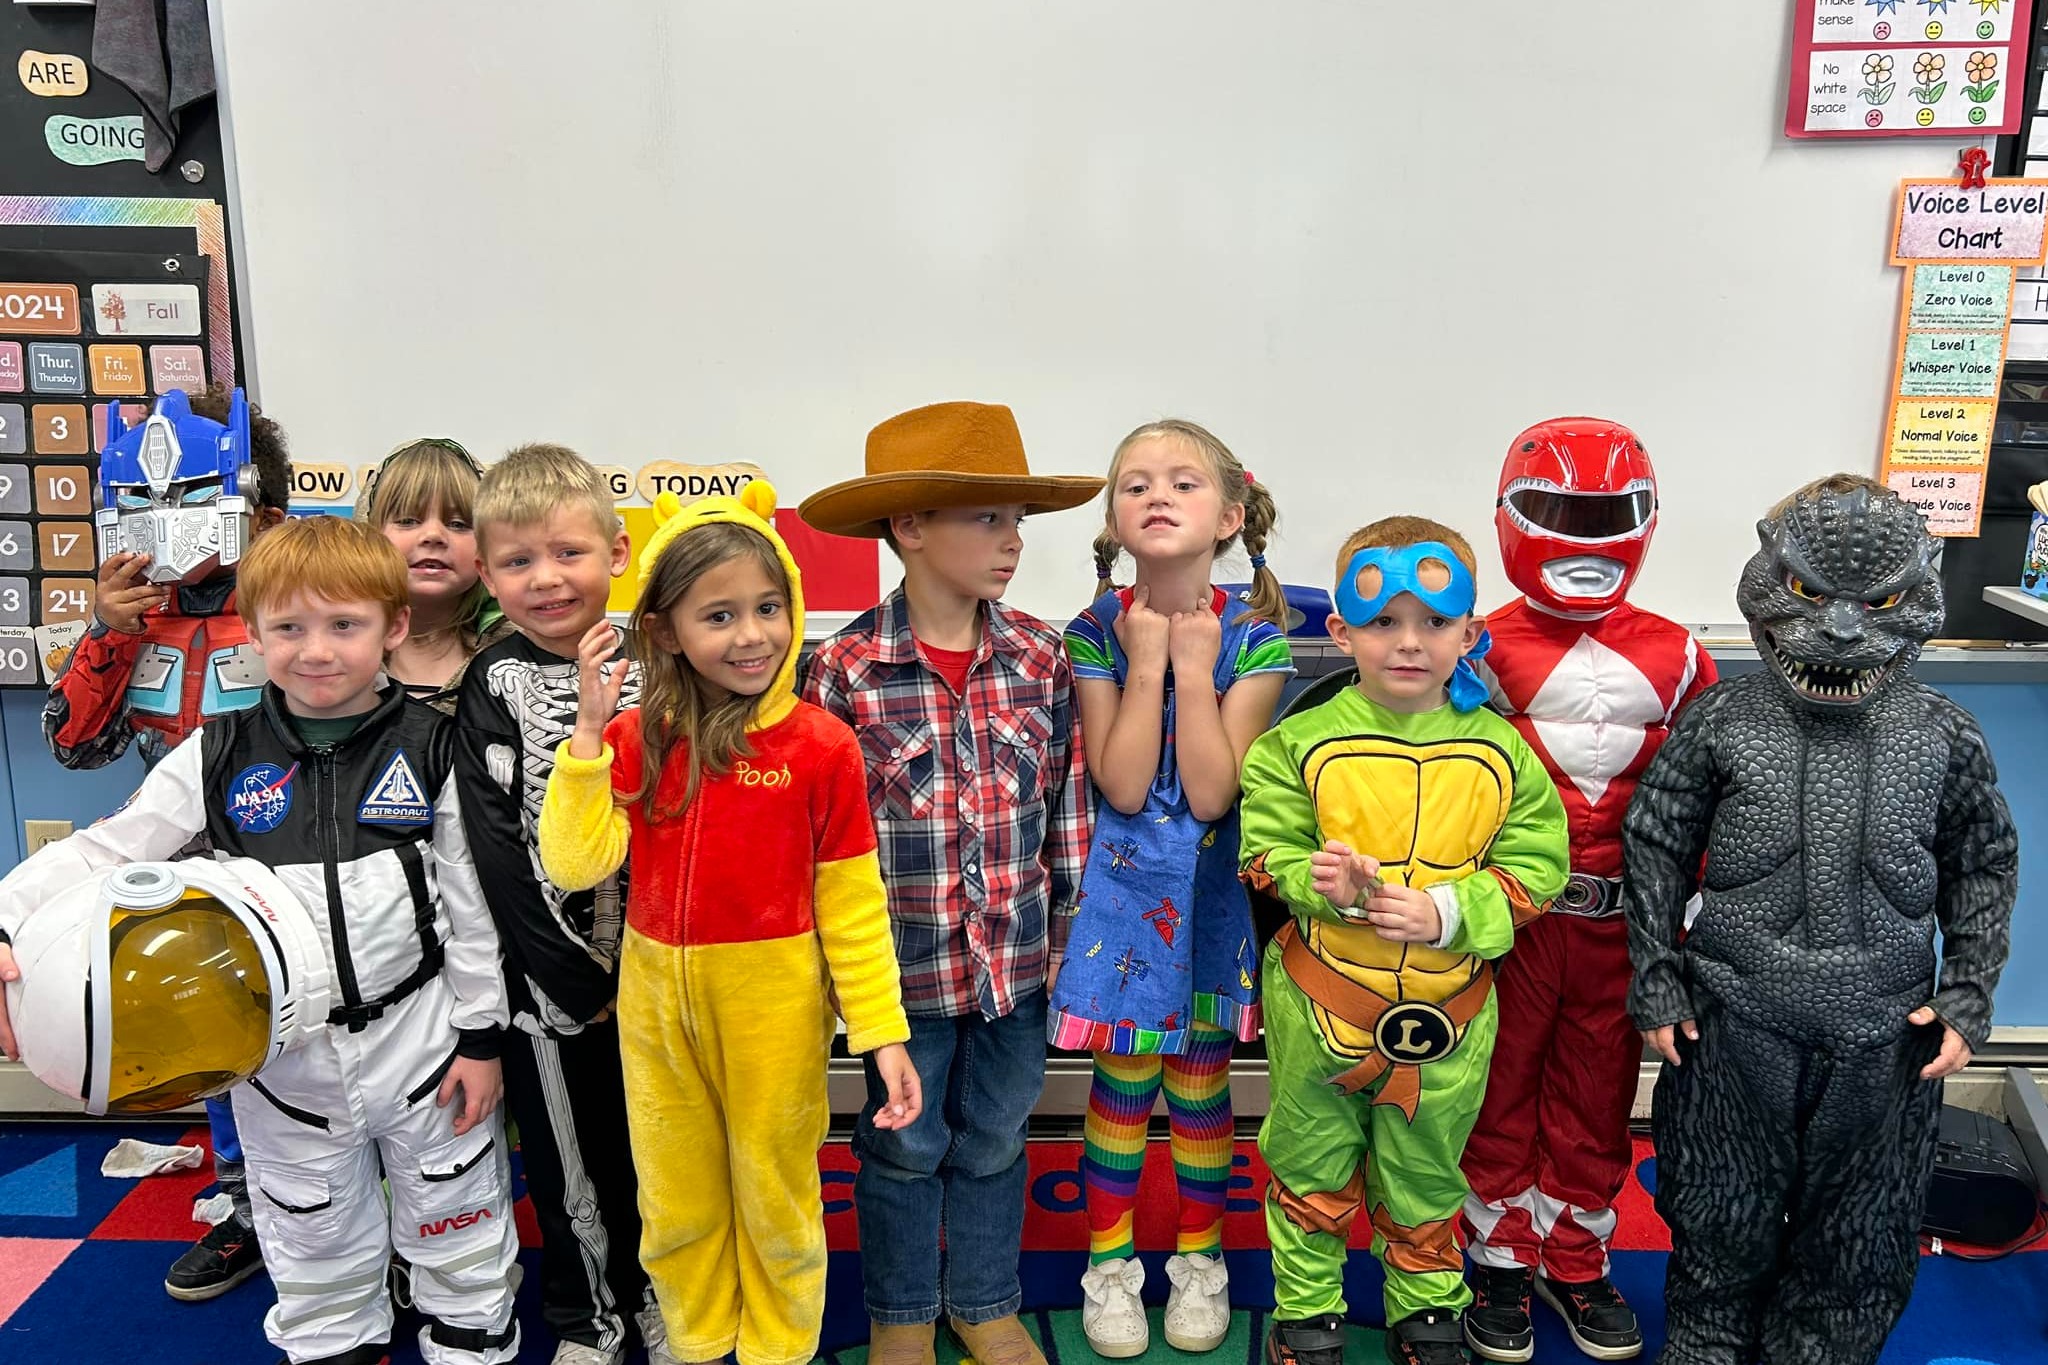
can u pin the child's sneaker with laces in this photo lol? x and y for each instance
(1112, 1317)
(1497, 1324)
(221, 1259)
(1198, 1308)
(1600, 1321)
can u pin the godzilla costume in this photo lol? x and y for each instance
(1845, 811)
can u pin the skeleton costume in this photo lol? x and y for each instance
(562, 1078)
(1846, 812)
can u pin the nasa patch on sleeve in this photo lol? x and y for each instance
(260, 796)
(395, 797)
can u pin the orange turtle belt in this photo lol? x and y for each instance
(1362, 1008)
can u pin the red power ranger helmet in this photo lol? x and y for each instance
(1578, 501)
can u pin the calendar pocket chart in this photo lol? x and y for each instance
(78, 330)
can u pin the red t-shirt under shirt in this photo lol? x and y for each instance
(950, 664)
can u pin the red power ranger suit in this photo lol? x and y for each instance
(1593, 685)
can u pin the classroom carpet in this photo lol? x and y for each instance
(82, 1259)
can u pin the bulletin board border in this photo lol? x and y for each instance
(205, 217)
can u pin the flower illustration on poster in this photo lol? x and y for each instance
(1877, 78)
(1936, 6)
(1988, 6)
(1982, 69)
(1927, 69)
(1884, 6)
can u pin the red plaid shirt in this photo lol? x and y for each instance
(980, 799)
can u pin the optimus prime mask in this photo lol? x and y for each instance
(159, 984)
(178, 488)
(1577, 504)
(1842, 594)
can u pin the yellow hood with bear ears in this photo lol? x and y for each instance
(754, 509)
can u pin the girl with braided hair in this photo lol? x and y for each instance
(1161, 972)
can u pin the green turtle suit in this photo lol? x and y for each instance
(1378, 1051)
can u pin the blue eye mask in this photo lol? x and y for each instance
(1401, 570)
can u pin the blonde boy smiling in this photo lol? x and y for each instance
(549, 543)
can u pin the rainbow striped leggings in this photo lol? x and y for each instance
(1120, 1101)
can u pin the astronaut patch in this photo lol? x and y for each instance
(260, 797)
(395, 797)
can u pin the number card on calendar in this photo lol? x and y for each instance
(78, 330)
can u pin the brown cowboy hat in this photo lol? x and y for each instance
(946, 455)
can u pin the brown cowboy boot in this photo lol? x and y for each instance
(1001, 1341)
(901, 1343)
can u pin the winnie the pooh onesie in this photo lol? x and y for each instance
(742, 910)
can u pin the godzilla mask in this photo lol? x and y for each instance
(1842, 594)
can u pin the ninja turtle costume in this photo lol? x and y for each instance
(1846, 811)
(1378, 1051)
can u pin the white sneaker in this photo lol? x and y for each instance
(576, 1353)
(1111, 1315)
(654, 1335)
(1198, 1308)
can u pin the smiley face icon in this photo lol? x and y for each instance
(1925, 118)
(1933, 29)
(1874, 119)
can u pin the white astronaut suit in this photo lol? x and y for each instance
(349, 979)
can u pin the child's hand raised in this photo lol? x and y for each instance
(1344, 878)
(124, 597)
(598, 685)
(906, 1092)
(1143, 632)
(1403, 914)
(1194, 638)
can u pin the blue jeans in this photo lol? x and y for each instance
(959, 1168)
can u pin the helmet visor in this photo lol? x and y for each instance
(1584, 516)
(189, 1004)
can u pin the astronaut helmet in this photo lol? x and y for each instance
(179, 488)
(1576, 509)
(160, 984)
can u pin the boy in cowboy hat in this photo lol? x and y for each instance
(965, 712)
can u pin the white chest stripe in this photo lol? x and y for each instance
(1591, 713)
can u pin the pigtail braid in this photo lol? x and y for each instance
(1106, 551)
(1267, 599)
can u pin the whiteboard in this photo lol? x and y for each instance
(1364, 242)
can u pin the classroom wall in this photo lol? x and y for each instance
(1366, 243)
